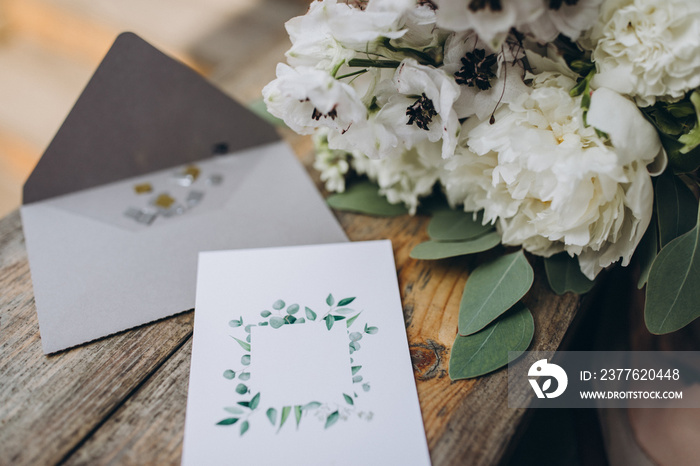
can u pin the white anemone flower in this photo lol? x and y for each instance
(332, 33)
(550, 183)
(307, 98)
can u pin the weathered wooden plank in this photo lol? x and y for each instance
(466, 422)
(49, 404)
(149, 427)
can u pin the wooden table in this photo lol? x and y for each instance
(121, 399)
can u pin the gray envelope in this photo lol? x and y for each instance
(143, 131)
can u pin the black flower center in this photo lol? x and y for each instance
(556, 4)
(476, 69)
(316, 115)
(421, 112)
(493, 5)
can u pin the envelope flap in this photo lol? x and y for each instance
(142, 111)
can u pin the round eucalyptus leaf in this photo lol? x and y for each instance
(272, 415)
(493, 288)
(357, 379)
(235, 323)
(293, 309)
(276, 321)
(564, 274)
(244, 376)
(245, 359)
(229, 374)
(433, 250)
(300, 320)
(241, 389)
(278, 305)
(365, 387)
(355, 336)
(290, 319)
(487, 350)
(266, 313)
(364, 198)
(453, 225)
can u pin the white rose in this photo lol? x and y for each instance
(551, 184)
(648, 49)
(307, 98)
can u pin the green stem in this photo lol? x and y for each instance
(364, 63)
(352, 74)
(337, 67)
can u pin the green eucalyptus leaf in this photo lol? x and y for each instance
(245, 359)
(265, 314)
(311, 315)
(244, 376)
(365, 387)
(329, 321)
(357, 379)
(276, 321)
(355, 336)
(300, 320)
(646, 252)
(432, 250)
(492, 289)
(344, 310)
(245, 404)
(676, 207)
(371, 330)
(680, 162)
(241, 389)
(255, 401)
(338, 317)
(364, 198)
(352, 319)
(331, 419)
(487, 350)
(244, 345)
(229, 374)
(293, 309)
(235, 323)
(297, 414)
(278, 305)
(289, 319)
(285, 414)
(272, 415)
(564, 274)
(311, 405)
(244, 427)
(330, 300)
(355, 369)
(264, 324)
(355, 346)
(453, 225)
(345, 301)
(233, 410)
(673, 293)
(227, 421)
(348, 399)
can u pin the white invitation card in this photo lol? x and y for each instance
(300, 357)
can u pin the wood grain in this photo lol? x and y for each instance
(49, 404)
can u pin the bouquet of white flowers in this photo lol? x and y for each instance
(568, 128)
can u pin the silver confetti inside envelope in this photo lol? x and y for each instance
(153, 165)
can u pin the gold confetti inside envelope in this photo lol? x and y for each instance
(300, 357)
(152, 165)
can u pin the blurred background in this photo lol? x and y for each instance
(50, 48)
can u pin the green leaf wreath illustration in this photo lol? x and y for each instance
(248, 407)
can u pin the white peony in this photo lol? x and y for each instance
(551, 184)
(648, 49)
(307, 98)
(407, 177)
